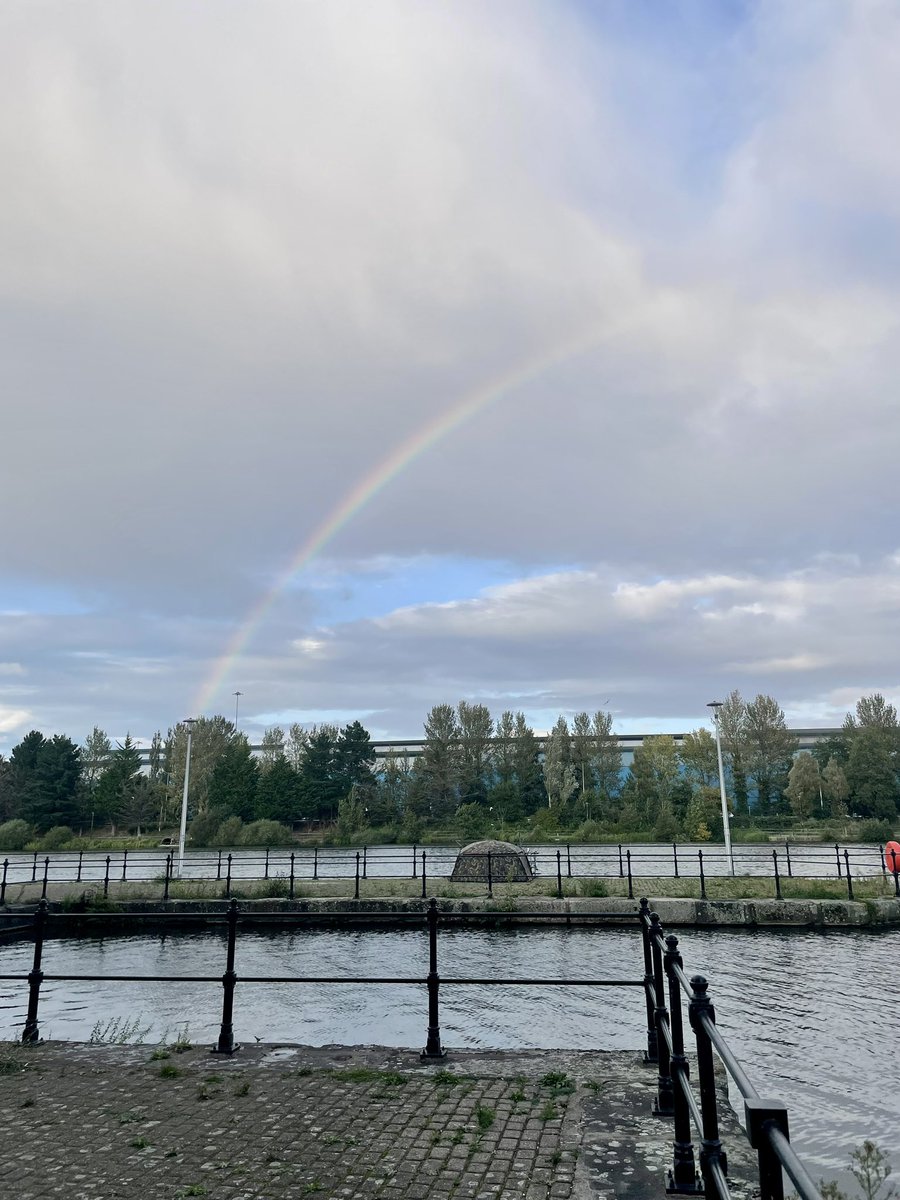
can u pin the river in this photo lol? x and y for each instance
(812, 1016)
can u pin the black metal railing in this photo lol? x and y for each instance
(292, 869)
(665, 986)
(766, 1121)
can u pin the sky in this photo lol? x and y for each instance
(363, 357)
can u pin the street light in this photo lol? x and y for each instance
(237, 700)
(715, 705)
(189, 722)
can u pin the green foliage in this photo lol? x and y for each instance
(56, 838)
(266, 833)
(592, 887)
(877, 832)
(14, 834)
(485, 1117)
(118, 1031)
(229, 833)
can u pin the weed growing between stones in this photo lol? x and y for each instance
(485, 1117)
(118, 1031)
(169, 1071)
(559, 1081)
(370, 1075)
(128, 1118)
(549, 1112)
(242, 1089)
(12, 1060)
(139, 1143)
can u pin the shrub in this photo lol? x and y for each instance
(266, 833)
(875, 831)
(56, 838)
(229, 833)
(14, 835)
(592, 887)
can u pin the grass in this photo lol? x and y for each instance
(559, 1081)
(169, 1071)
(11, 1060)
(448, 1079)
(549, 1112)
(485, 1117)
(241, 1089)
(139, 1143)
(369, 1075)
(118, 1031)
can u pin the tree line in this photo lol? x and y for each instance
(474, 772)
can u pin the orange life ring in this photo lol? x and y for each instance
(892, 861)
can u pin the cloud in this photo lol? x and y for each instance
(241, 261)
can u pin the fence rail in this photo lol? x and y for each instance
(664, 985)
(295, 868)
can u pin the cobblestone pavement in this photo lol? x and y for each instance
(103, 1122)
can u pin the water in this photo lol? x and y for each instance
(383, 862)
(817, 1029)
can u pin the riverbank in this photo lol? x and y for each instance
(121, 909)
(94, 1122)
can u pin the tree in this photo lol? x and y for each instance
(505, 748)
(271, 747)
(804, 785)
(53, 793)
(295, 746)
(141, 806)
(872, 712)
(439, 763)
(606, 759)
(733, 735)
(653, 779)
(835, 787)
(115, 790)
(209, 739)
(234, 779)
(871, 774)
(7, 791)
(320, 785)
(476, 729)
(700, 758)
(770, 748)
(582, 751)
(354, 761)
(96, 754)
(278, 793)
(156, 773)
(393, 788)
(529, 777)
(560, 779)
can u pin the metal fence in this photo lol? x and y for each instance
(692, 1111)
(296, 868)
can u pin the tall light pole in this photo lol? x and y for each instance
(189, 722)
(237, 700)
(715, 705)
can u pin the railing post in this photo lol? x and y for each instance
(228, 878)
(849, 880)
(683, 1176)
(621, 868)
(168, 877)
(702, 876)
(675, 858)
(415, 848)
(46, 871)
(652, 1053)
(490, 874)
(80, 857)
(3, 884)
(315, 862)
(883, 869)
(225, 1044)
(895, 871)
(787, 854)
(837, 856)
(433, 1048)
(365, 862)
(663, 1106)
(356, 885)
(777, 876)
(266, 876)
(106, 878)
(423, 876)
(568, 861)
(219, 867)
(124, 865)
(292, 876)
(711, 1151)
(35, 976)
(34, 868)
(558, 875)
(760, 1116)
(630, 880)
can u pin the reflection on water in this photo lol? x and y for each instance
(811, 1015)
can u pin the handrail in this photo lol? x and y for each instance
(766, 1120)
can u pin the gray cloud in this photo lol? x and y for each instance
(242, 259)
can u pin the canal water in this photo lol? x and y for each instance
(812, 1016)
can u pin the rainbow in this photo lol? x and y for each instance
(417, 444)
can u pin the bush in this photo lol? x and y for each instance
(878, 832)
(229, 833)
(590, 831)
(266, 833)
(14, 835)
(592, 887)
(56, 838)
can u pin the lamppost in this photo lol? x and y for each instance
(237, 700)
(189, 722)
(715, 705)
